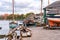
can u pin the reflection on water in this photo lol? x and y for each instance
(5, 27)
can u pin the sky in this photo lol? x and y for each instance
(22, 6)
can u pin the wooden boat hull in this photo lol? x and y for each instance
(54, 22)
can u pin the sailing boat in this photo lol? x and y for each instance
(14, 23)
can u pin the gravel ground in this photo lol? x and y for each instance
(38, 33)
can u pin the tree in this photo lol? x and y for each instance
(21, 17)
(10, 17)
(28, 14)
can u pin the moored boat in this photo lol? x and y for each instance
(54, 22)
(13, 24)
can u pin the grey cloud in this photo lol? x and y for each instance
(19, 7)
(4, 9)
(7, 3)
(22, 5)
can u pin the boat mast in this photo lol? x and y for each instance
(13, 8)
(48, 2)
(41, 5)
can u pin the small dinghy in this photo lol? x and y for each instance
(13, 24)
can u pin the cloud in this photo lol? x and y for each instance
(27, 6)
(0, 4)
(21, 6)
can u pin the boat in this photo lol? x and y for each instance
(29, 22)
(14, 26)
(54, 22)
(20, 23)
(13, 23)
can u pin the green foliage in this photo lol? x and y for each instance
(16, 16)
(1, 18)
(28, 14)
(10, 17)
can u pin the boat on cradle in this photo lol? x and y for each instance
(54, 22)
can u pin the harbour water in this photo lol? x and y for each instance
(5, 27)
